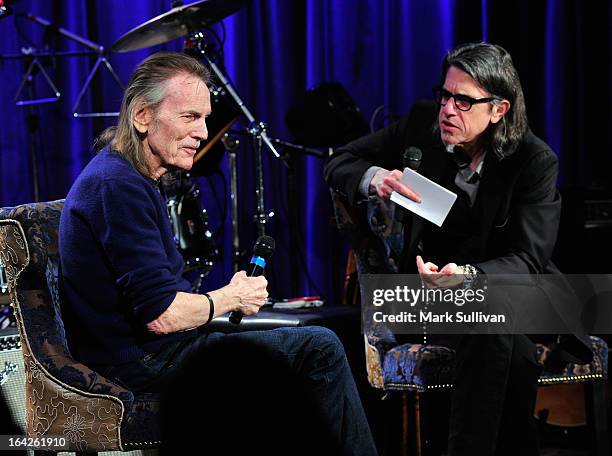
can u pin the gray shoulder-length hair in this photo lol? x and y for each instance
(491, 66)
(147, 85)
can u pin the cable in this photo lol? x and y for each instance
(373, 117)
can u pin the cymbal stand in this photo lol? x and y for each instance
(256, 129)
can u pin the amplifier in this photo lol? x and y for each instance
(12, 377)
(583, 245)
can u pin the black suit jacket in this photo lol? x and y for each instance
(518, 204)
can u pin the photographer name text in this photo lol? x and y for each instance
(431, 317)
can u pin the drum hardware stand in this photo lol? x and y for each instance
(231, 144)
(288, 160)
(101, 59)
(306, 150)
(197, 41)
(32, 118)
(34, 66)
(256, 129)
(28, 78)
(97, 49)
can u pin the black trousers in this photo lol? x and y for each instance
(493, 399)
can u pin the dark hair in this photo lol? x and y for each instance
(492, 68)
(147, 85)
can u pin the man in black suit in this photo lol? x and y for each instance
(475, 142)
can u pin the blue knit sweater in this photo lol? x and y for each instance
(119, 264)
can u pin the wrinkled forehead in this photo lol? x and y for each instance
(187, 92)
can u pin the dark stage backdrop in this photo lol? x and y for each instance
(385, 52)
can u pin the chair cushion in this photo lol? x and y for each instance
(422, 367)
(141, 423)
(574, 373)
(418, 367)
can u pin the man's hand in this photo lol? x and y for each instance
(247, 293)
(385, 182)
(447, 277)
(189, 310)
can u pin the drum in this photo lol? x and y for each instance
(189, 223)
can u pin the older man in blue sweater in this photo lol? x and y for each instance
(129, 313)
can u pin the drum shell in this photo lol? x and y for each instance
(190, 227)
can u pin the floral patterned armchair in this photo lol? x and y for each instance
(64, 397)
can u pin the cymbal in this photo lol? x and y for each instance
(176, 23)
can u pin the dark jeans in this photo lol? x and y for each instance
(294, 378)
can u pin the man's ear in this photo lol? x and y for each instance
(499, 110)
(143, 115)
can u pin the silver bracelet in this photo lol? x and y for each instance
(470, 273)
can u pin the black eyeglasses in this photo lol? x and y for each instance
(462, 102)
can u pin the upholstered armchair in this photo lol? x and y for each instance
(64, 397)
(415, 368)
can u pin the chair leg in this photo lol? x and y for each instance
(408, 443)
(597, 422)
(417, 424)
(405, 423)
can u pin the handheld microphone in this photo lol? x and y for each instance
(411, 158)
(262, 252)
